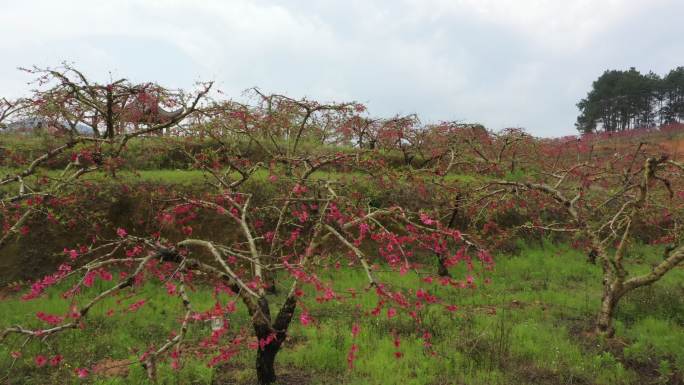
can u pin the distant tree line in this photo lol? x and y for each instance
(624, 100)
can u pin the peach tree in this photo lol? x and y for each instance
(281, 217)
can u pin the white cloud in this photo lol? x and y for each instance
(556, 24)
(503, 62)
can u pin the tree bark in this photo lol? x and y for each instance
(109, 119)
(265, 363)
(604, 325)
(612, 292)
(442, 270)
(265, 358)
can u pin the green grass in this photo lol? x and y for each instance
(529, 326)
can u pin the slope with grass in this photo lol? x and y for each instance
(527, 325)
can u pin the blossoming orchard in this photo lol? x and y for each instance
(298, 213)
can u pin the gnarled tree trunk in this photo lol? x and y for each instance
(609, 301)
(265, 358)
(617, 287)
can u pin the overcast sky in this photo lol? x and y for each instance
(503, 63)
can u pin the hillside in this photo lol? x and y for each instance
(291, 241)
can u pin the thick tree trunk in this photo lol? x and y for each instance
(265, 358)
(616, 287)
(604, 323)
(611, 295)
(265, 363)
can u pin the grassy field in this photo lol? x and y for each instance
(531, 325)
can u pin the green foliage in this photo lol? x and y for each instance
(621, 100)
(656, 341)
